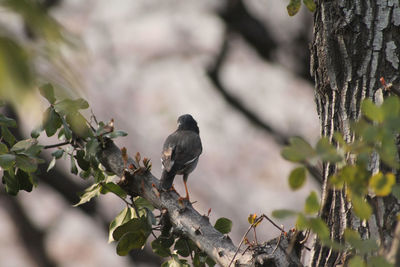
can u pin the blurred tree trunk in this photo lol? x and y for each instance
(355, 43)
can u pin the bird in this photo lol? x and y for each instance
(181, 152)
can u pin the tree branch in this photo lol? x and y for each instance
(185, 219)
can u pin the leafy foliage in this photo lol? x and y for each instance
(375, 137)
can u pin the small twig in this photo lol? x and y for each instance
(248, 247)
(244, 236)
(271, 221)
(255, 235)
(57, 145)
(277, 244)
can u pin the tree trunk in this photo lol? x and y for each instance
(356, 42)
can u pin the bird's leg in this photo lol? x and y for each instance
(185, 177)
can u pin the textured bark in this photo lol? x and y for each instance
(355, 43)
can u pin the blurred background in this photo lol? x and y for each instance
(241, 68)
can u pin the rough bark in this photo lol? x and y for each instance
(355, 43)
(187, 221)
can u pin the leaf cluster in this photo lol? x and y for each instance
(374, 139)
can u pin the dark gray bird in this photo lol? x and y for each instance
(181, 152)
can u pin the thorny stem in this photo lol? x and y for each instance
(244, 236)
(253, 225)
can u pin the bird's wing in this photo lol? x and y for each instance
(180, 148)
(166, 156)
(188, 148)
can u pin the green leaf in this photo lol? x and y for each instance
(334, 245)
(80, 158)
(11, 183)
(98, 175)
(357, 261)
(327, 152)
(124, 216)
(35, 133)
(210, 262)
(129, 241)
(302, 222)
(223, 225)
(51, 121)
(15, 68)
(283, 213)
(58, 153)
(337, 181)
(160, 249)
(312, 203)
(47, 92)
(182, 247)
(67, 130)
(143, 203)
(7, 161)
(78, 124)
(339, 139)
(372, 111)
(310, 5)
(362, 246)
(85, 174)
(319, 227)
(7, 122)
(388, 150)
(297, 178)
(7, 135)
(3, 148)
(69, 106)
(24, 181)
(114, 188)
(88, 194)
(379, 261)
(74, 169)
(28, 147)
(134, 225)
(382, 184)
(23, 145)
(361, 208)
(26, 163)
(293, 7)
(51, 164)
(115, 134)
(298, 150)
(391, 107)
(92, 146)
(371, 134)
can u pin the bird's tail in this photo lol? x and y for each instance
(167, 178)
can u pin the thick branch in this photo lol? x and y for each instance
(186, 220)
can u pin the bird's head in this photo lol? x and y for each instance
(187, 123)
